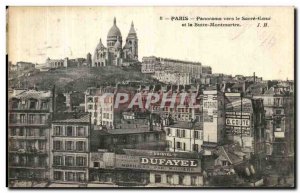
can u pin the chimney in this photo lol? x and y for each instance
(254, 79)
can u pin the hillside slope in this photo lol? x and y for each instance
(78, 79)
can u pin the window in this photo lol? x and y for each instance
(193, 180)
(30, 132)
(168, 131)
(31, 119)
(96, 164)
(69, 131)
(70, 176)
(42, 132)
(169, 179)
(90, 107)
(95, 114)
(201, 135)
(57, 160)
(13, 118)
(23, 104)
(22, 118)
(157, 178)
(57, 145)
(196, 134)
(80, 176)
(80, 131)
(80, 145)
(13, 132)
(181, 179)
(15, 104)
(157, 136)
(90, 99)
(44, 105)
(177, 133)
(69, 161)
(58, 130)
(32, 104)
(69, 145)
(42, 119)
(178, 145)
(41, 145)
(21, 131)
(195, 147)
(224, 163)
(183, 133)
(58, 175)
(184, 146)
(80, 161)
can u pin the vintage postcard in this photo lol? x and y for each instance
(150, 97)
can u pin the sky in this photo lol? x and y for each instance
(35, 33)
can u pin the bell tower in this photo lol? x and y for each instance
(131, 46)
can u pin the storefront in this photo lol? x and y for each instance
(151, 168)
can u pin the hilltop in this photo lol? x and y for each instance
(77, 79)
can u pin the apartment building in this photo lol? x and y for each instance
(28, 134)
(184, 137)
(100, 106)
(70, 148)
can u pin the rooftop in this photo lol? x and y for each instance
(72, 118)
(186, 125)
(30, 94)
(130, 131)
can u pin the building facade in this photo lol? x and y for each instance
(147, 168)
(213, 116)
(245, 123)
(278, 104)
(101, 106)
(28, 134)
(184, 137)
(69, 155)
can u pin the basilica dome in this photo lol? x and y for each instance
(114, 31)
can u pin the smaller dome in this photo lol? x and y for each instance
(118, 44)
(100, 45)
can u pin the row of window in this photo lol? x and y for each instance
(95, 107)
(69, 131)
(95, 99)
(100, 55)
(69, 145)
(69, 176)
(181, 133)
(131, 139)
(69, 161)
(170, 179)
(27, 132)
(27, 145)
(30, 119)
(182, 146)
(32, 104)
(24, 160)
(179, 110)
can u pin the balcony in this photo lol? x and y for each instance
(27, 151)
(28, 166)
(25, 123)
(75, 167)
(34, 137)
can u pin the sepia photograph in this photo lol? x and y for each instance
(150, 97)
